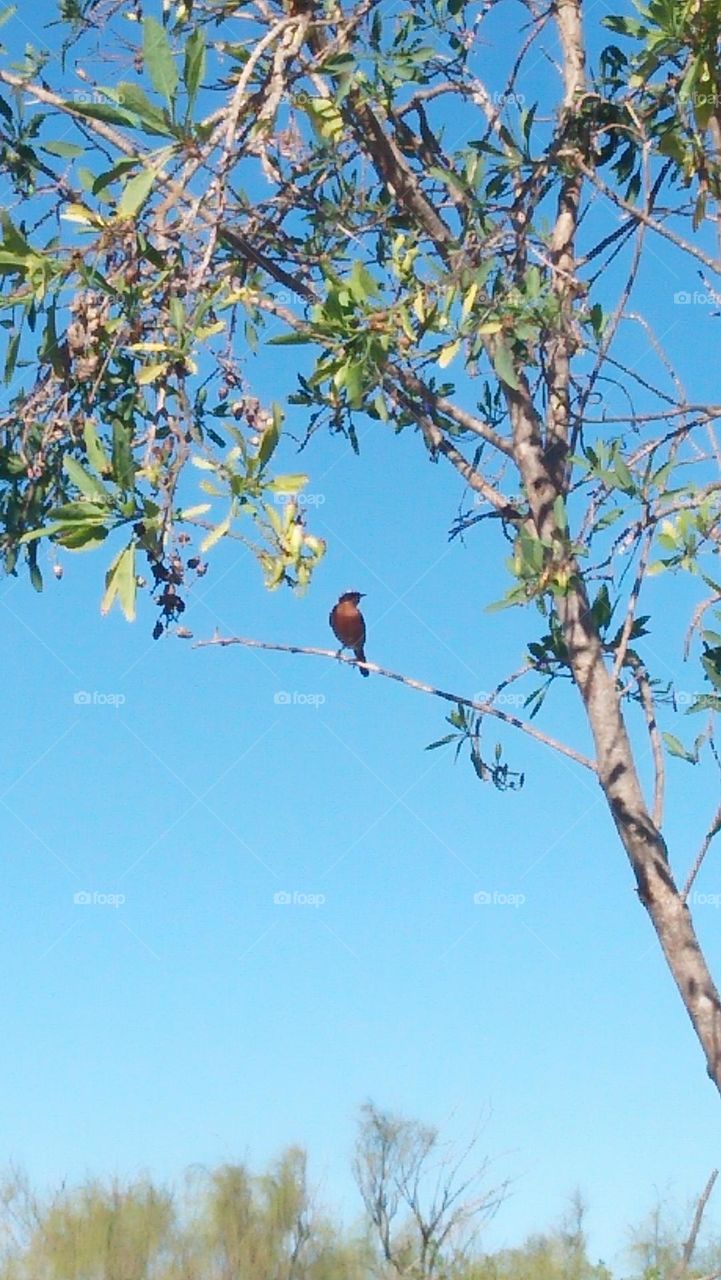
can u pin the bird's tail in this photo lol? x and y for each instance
(361, 656)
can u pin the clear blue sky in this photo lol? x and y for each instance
(200, 1022)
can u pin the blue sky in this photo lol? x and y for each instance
(197, 1020)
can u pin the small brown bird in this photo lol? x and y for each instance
(349, 626)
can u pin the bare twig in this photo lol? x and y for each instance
(483, 708)
(712, 831)
(690, 1244)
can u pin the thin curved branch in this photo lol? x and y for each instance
(462, 418)
(483, 708)
(690, 1243)
(712, 831)
(714, 264)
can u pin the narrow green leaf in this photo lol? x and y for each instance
(158, 59)
(503, 364)
(270, 439)
(194, 68)
(65, 150)
(82, 538)
(676, 748)
(103, 111)
(11, 357)
(97, 457)
(150, 373)
(134, 99)
(288, 484)
(82, 511)
(215, 535)
(88, 485)
(127, 582)
(123, 460)
(120, 584)
(135, 193)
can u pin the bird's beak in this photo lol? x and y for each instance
(361, 594)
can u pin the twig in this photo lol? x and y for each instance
(712, 831)
(622, 648)
(690, 1244)
(483, 708)
(695, 622)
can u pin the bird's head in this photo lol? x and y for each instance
(351, 597)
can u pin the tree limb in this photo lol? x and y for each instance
(483, 708)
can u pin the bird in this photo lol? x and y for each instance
(349, 626)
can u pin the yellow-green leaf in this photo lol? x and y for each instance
(215, 534)
(135, 193)
(449, 353)
(150, 373)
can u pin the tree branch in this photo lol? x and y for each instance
(690, 1244)
(483, 708)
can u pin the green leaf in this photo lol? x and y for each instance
(289, 340)
(624, 477)
(449, 353)
(676, 748)
(88, 485)
(288, 484)
(153, 119)
(85, 537)
(150, 373)
(36, 577)
(194, 68)
(47, 531)
(97, 457)
(103, 111)
(11, 358)
(135, 193)
(65, 150)
(123, 460)
(82, 511)
(503, 364)
(441, 742)
(215, 535)
(159, 61)
(270, 439)
(121, 584)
